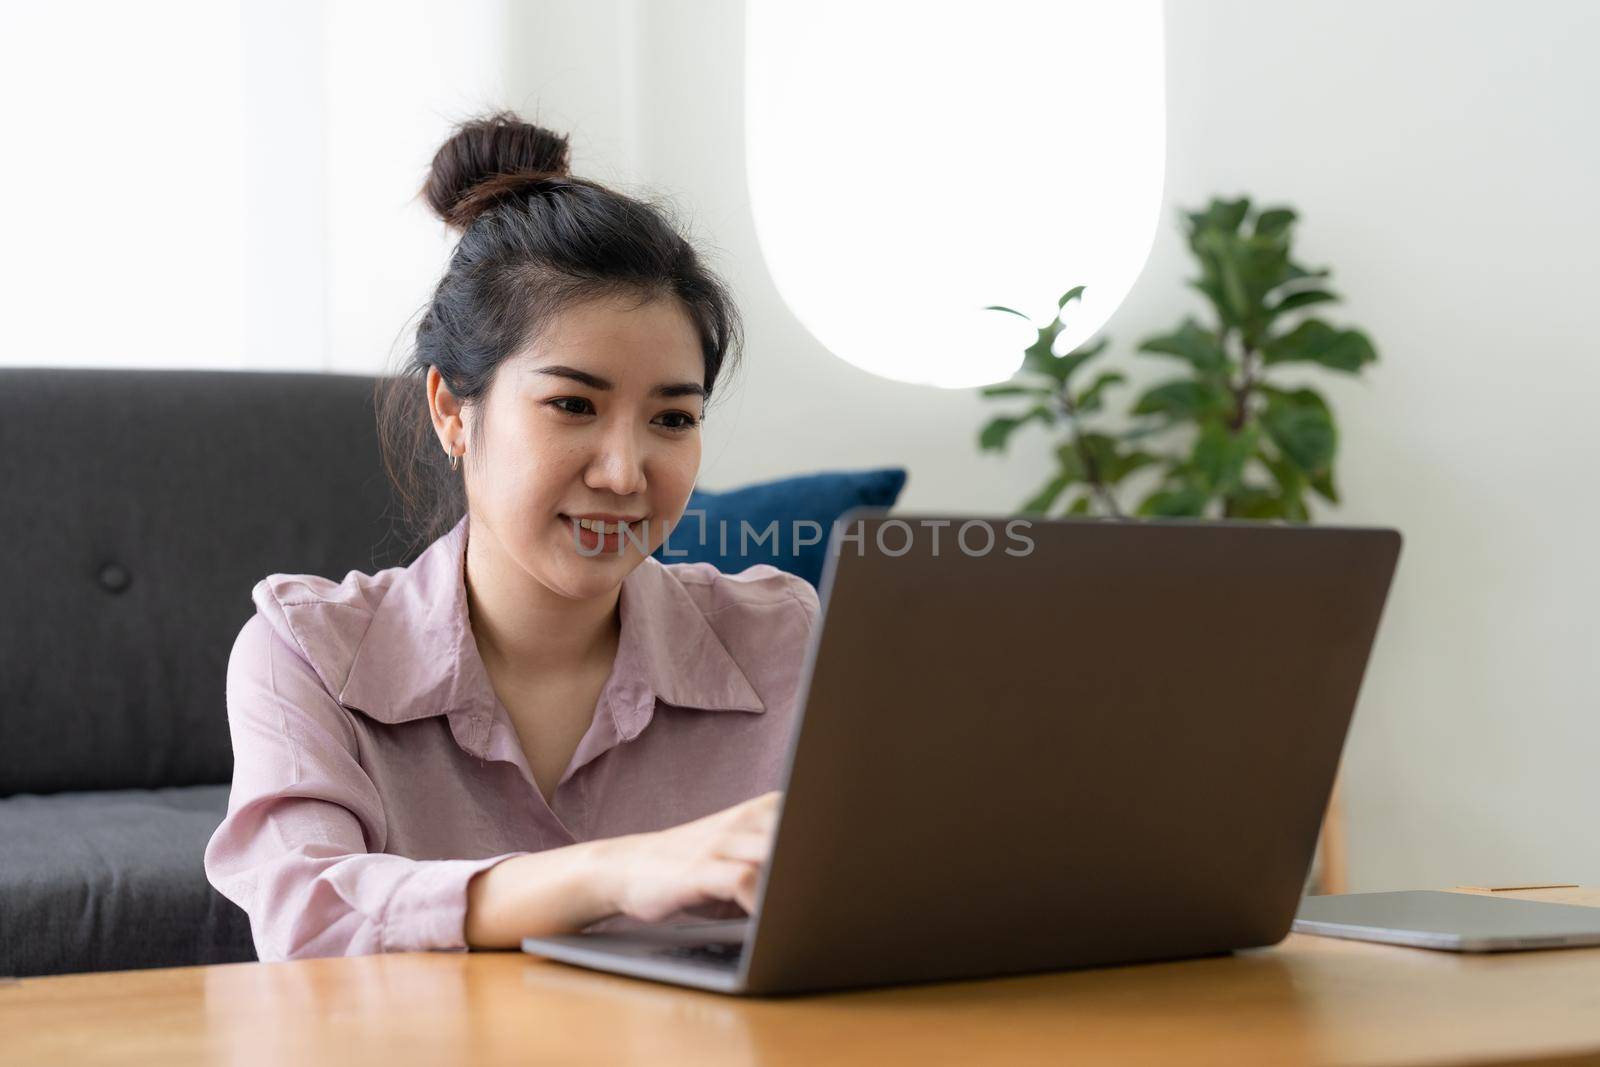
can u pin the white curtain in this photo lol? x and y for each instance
(228, 184)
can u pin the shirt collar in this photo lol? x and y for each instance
(419, 656)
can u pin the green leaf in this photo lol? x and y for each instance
(1222, 215)
(1079, 506)
(1149, 429)
(1040, 503)
(1038, 355)
(1254, 502)
(1072, 468)
(1014, 389)
(1212, 288)
(1302, 428)
(1013, 311)
(1220, 249)
(1291, 485)
(1314, 341)
(1297, 273)
(998, 432)
(1192, 343)
(1090, 398)
(995, 433)
(1070, 362)
(1284, 473)
(1219, 456)
(1324, 487)
(1126, 464)
(1186, 501)
(1274, 222)
(1183, 398)
(1224, 263)
(1304, 298)
(1039, 358)
(1068, 297)
(1305, 397)
(1111, 465)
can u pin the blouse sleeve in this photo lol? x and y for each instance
(294, 848)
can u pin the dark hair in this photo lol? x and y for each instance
(534, 242)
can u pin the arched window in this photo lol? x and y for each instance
(911, 164)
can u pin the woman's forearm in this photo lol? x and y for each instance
(649, 876)
(556, 891)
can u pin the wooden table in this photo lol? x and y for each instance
(1307, 1000)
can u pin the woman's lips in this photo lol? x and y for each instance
(592, 540)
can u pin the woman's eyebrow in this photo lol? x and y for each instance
(594, 381)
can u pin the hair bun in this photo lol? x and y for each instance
(487, 159)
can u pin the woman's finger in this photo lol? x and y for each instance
(732, 880)
(760, 813)
(748, 846)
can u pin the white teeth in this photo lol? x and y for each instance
(599, 526)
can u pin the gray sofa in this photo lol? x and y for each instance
(140, 508)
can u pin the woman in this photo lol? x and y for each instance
(535, 727)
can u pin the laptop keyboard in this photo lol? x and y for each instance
(723, 953)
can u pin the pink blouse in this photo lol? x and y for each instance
(376, 771)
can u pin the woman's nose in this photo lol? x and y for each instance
(619, 466)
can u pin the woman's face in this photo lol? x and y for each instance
(599, 417)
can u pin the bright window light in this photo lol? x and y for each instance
(122, 124)
(911, 164)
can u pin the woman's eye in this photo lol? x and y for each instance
(583, 407)
(685, 420)
(676, 420)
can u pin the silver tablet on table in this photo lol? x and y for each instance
(1457, 922)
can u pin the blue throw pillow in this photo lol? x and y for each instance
(772, 522)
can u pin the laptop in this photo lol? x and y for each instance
(1032, 744)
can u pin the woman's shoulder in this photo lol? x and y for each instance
(752, 592)
(761, 616)
(321, 619)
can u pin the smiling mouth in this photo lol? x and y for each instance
(608, 528)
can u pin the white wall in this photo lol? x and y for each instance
(1443, 158)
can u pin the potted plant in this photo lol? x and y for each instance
(1226, 436)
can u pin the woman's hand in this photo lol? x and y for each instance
(716, 857)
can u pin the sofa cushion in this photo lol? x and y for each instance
(800, 506)
(144, 505)
(113, 880)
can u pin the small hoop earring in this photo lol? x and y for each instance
(454, 459)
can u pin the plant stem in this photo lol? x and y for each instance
(1241, 392)
(1241, 401)
(1090, 467)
